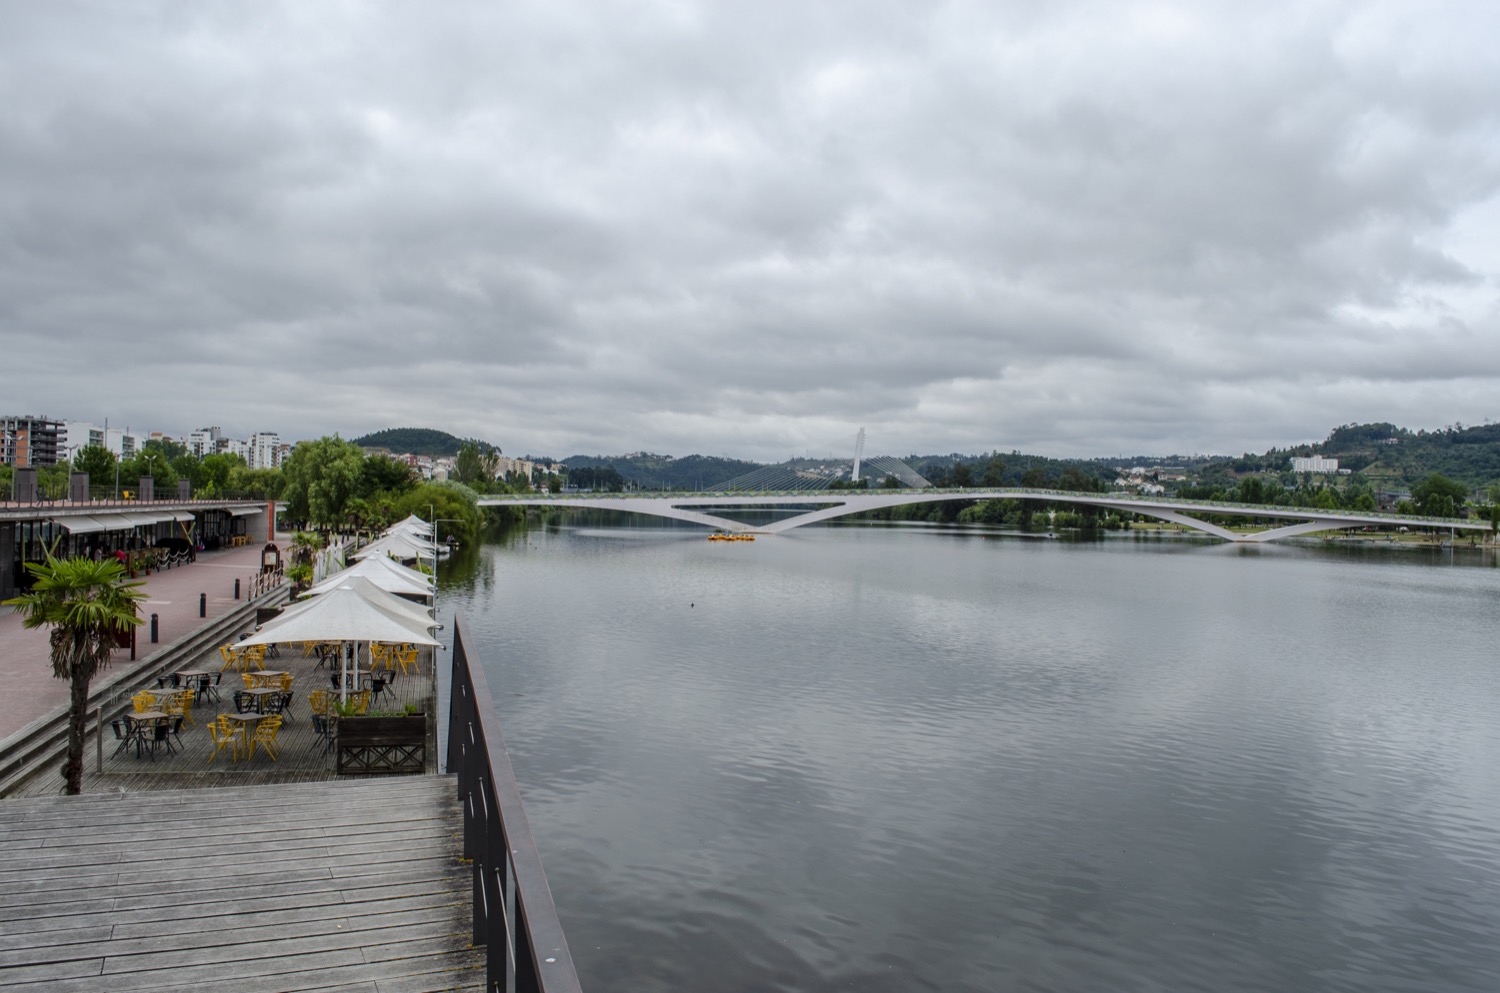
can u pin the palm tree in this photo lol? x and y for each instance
(88, 605)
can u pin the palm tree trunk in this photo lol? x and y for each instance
(78, 719)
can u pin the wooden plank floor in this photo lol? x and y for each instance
(303, 754)
(352, 886)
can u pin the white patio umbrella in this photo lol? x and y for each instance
(385, 573)
(412, 520)
(400, 546)
(384, 599)
(345, 615)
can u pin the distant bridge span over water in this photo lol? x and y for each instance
(698, 508)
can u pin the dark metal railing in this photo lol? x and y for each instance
(514, 917)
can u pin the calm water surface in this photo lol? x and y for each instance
(878, 759)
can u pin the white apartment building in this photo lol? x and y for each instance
(263, 450)
(78, 435)
(1315, 463)
(204, 441)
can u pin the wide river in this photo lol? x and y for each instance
(866, 758)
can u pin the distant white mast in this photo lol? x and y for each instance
(859, 453)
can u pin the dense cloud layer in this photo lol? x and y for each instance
(1083, 228)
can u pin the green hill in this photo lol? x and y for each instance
(1383, 451)
(415, 441)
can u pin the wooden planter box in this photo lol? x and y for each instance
(368, 745)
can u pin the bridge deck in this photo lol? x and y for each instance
(341, 887)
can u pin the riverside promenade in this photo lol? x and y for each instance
(32, 692)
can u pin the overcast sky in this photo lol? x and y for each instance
(753, 228)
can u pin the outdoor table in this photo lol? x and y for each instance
(194, 678)
(142, 721)
(247, 724)
(265, 677)
(260, 693)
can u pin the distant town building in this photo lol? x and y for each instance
(1315, 463)
(263, 450)
(204, 441)
(27, 441)
(504, 467)
(78, 435)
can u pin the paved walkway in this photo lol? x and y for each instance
(31, 691)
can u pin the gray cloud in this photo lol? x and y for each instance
(1084, 228)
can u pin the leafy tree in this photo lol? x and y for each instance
(87, 604)
(994, 473)
(254, 484)
(99, 462)
(321, 477)
(450, 506)
(1439, 496)
(383, 474)
(52, 481)
(475, 466)
(596, 478)
(149, 462)
(212, 475)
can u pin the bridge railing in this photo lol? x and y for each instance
(514, 916)
(1016, 493)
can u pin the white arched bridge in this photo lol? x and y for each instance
(699, 508)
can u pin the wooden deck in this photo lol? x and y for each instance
(352, 886)
(303, 756)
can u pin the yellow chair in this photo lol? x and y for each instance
(408, 658)
(143, 701)
(225, 735)
(265, 736)
(179, 704)
(231, 657)
(319, 701)
(185, 700)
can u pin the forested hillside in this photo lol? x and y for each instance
(663, 472)
(416, 441)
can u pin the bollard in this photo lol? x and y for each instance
(153, 629)
(236, 587)
(202, 604)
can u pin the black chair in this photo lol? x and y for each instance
(244, 702)
(377, 686)
(218, 678)
(323, 726)
(151, 735)
(168, 679)
(124, 734)
(176, 730)
(272, 703)
(286, 708)
(205, 687)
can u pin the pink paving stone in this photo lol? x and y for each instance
(28, 689)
